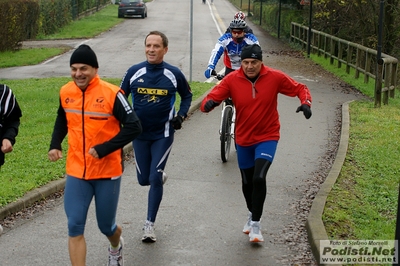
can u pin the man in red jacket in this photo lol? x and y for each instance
(254, 90)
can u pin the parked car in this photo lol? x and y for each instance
(130, 8)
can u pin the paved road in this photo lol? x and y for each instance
(203, 210)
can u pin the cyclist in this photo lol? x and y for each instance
(230, 44)
(242, 16)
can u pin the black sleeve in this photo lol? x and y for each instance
(11, 124)
(60, 129)
(10, 114)
(130, 127)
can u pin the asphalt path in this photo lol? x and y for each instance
(203, 210)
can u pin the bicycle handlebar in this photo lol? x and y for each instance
(217, 76)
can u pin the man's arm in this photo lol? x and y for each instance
(186, 97)
(292, 88)
(10, 114)
(60, 129)
(125, 83)
(214, 98)
(59, 132)
(131, 127)
(216, 53)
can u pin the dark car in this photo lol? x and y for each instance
(130, 8)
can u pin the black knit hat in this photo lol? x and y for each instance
(84, 55)
(251, 51)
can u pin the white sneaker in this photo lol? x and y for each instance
(1, 229)
(255, 232)
(247, 226)
(116, 258)
(149, 235)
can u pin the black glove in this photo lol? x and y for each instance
(305, 109)
(210, 104)
(177, 122)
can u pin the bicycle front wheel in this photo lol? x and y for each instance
(226, 133)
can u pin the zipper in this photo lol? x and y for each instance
(83, 134)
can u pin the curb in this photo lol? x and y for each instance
(314, 225)
(54, 186)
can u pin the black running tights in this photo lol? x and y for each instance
(254, 187)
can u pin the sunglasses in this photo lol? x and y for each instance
(237, 31)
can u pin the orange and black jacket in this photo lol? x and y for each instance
(99, 117)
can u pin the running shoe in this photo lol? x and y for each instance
(255, 232)
(116, 258)
(1, 229)
(149, 235)
(247, 226)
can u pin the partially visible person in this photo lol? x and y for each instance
(10, 114)
(99, 122)
(254, 90)
(230, 45)
(154, 85)
(242, 16)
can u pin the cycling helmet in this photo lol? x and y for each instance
(239, 15)
(238, 24)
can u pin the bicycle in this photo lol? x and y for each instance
(227, 126)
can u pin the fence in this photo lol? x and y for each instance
(354, 56)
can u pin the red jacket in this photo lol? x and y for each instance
(257, 117)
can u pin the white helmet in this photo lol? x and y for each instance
(238, 24)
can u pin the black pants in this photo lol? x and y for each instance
(254, 187)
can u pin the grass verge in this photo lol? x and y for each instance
(87, 27)
(26, 57)
(363, 202)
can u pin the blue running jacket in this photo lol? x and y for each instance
(153, 88)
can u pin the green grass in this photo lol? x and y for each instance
(27, 57)
(365, 88)
(363, 202)
(90, 26)
(28, 167)
(87, 27)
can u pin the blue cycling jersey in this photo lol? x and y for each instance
(231, 50)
